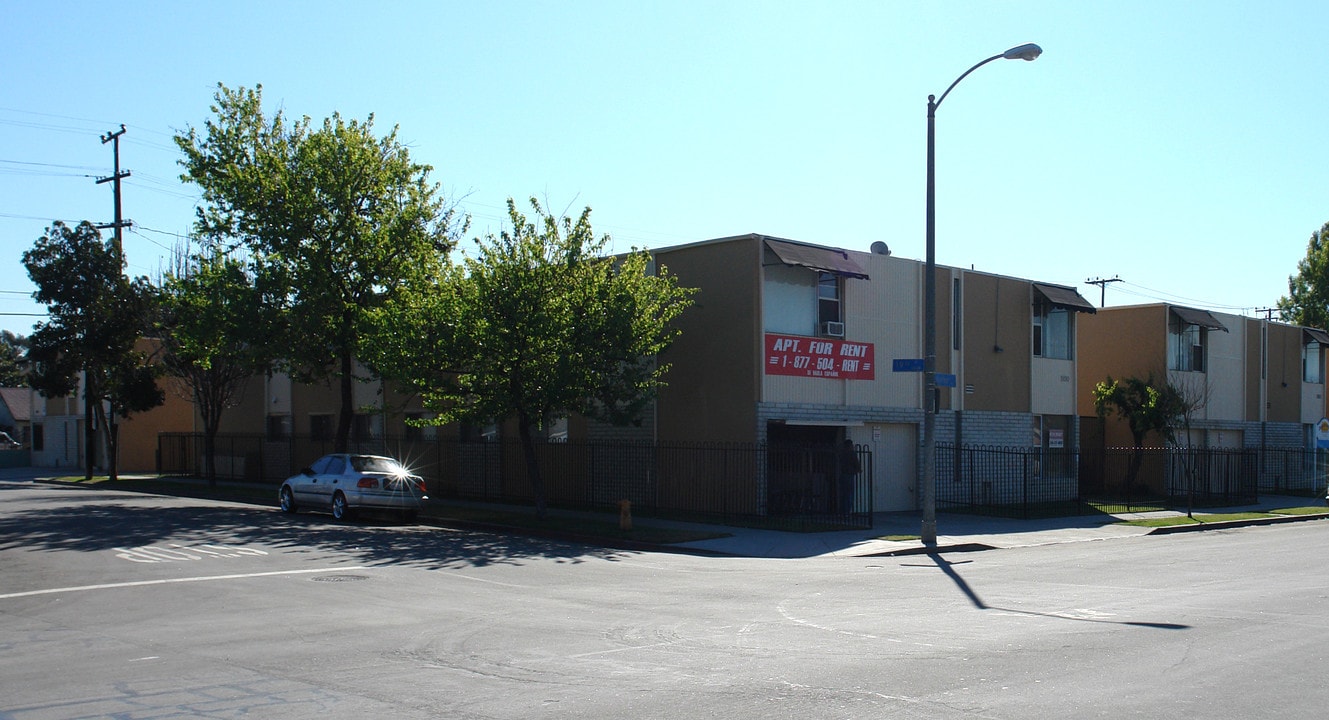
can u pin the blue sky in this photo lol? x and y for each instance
(1178, 145)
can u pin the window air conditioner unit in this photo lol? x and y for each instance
(833, 329)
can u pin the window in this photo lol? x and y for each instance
(1312, 362)
(828, 299)
(954, 314)
(38, 437)
(1186, 345)
(320, 427)
(1052, 331)
(279, 427)
(366, 426)
(416, 432)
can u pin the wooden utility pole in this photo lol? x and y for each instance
(120, 223)
(1102, 287)
(89, 430)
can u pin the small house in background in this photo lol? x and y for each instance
(16, 413)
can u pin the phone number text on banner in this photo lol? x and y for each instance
(819, 357)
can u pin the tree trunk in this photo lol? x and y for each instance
(532, 466)
(347, 405)
(210, 454)
(89, 431)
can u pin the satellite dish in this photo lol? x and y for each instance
(880, 248)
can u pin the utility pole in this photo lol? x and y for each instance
(1102, 287)
(120, 223)
(90, 432)
(1268, 312)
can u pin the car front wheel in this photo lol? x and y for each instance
(287, 500)
(340, 510)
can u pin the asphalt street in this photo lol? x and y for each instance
(134, 606)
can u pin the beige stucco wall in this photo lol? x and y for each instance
(885, 311)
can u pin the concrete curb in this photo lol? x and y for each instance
(1224, 524)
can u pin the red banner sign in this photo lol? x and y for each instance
(819, 357)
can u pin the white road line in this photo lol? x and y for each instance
(141, 583)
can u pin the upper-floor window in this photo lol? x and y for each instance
(1052, 331)
(1312, 362)
(1188, 338)
(1186, 345)
(828, 298)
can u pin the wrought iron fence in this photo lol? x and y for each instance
(1007, 481)
(779, 486)
(1293, 471)
(1038, 482)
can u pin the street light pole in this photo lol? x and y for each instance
(1028, 51)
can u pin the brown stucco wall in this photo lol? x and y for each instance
(713, 381)
(1284, 379)
(1118, 342)
(997, 314)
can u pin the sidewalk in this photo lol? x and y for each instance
(955, 532)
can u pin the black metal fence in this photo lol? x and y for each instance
(1038, 482)
(779, 486)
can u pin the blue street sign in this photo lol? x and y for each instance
(907, 365)
(945, 380)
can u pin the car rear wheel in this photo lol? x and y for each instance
(340, 510)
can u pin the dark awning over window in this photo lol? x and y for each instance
(817, 258)
(1065, 297)
(1203, 318)
(1318, 336)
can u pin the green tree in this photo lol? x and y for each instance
(1147, 406)
(336, 220)
(97, 315)
(539, 324)
(1307, 299)
(211, 329)
(12, 349)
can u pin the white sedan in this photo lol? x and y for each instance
(343, 483)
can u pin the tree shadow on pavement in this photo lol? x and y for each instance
(100, 521)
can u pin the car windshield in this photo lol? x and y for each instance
(365, 463)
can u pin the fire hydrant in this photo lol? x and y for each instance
(624, 514)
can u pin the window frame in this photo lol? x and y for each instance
(1181, 354)
(1043, 310)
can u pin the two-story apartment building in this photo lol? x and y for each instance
(1255, 383)
(791, 342)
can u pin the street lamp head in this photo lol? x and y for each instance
(1028, 51)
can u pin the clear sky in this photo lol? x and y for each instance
(1179, 145)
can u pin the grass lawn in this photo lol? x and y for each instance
(1202, 518)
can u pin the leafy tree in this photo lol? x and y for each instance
(210, 327)
(97, 316)
(335, 219)
(541, 323)
(1147, 406)
(1307, 301)
(12, 349)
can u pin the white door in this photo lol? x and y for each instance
(894, 476)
